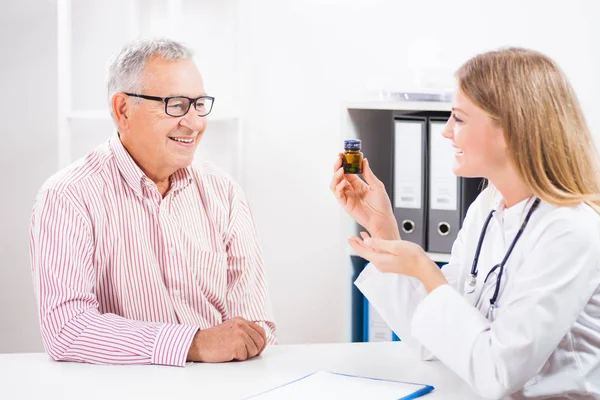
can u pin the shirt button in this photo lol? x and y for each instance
(172, 251)
(176, 293)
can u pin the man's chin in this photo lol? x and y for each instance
(182, 162)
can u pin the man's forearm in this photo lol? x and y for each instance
(109, 339)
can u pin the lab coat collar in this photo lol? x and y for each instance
(516, 211)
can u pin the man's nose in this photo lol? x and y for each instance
(192, 121)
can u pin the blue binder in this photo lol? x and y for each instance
(358, 324)
(366, 323)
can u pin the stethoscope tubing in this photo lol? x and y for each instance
(472, 279)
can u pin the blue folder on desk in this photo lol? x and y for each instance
(331, 385)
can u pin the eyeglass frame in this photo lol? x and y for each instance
(166, 100)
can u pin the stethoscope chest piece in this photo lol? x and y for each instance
(491, 312)
(470, 283)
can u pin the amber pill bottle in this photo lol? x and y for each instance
(353, 157)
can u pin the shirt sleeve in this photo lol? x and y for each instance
(553, 285)
(247, 293)
(73, 329)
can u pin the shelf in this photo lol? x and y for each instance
(400, 105)
(437, 257)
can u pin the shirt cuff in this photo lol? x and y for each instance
(173, 344)
(366, 273)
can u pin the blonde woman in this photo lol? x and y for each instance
(516, 312)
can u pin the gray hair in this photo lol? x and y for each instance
(126, 67)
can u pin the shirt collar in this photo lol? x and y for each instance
(181, 178)
(135, 177)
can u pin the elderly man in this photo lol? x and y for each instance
(138, 257)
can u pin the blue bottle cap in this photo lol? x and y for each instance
(352, 144)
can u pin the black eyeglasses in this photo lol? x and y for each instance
(178, 106)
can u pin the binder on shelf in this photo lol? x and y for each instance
(449, 195)
(357, 299)
(410, 177)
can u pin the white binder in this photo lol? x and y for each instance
(409, 177)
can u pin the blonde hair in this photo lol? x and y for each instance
(549, 143)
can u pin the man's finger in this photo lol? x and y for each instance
(251, 347)
(263, 349)
(241, 352)
(262, 333)
(255, 336)
(258, 328)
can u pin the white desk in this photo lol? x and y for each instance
(35, 376)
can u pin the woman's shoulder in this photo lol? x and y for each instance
(581, 219)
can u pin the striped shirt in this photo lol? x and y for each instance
(125, 276)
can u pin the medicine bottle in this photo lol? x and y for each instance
(353, 157)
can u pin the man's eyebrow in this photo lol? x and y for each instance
(181, 95)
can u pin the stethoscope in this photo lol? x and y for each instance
(471, 281)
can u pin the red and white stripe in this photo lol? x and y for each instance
(124, 276)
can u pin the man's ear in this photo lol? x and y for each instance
(121, 109)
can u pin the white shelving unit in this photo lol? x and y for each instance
(372, 122)
(362, 116)
(400, 105)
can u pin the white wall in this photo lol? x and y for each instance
(281, 71)
(302, 59)
(28, 154)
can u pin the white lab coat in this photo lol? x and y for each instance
(544, 341)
